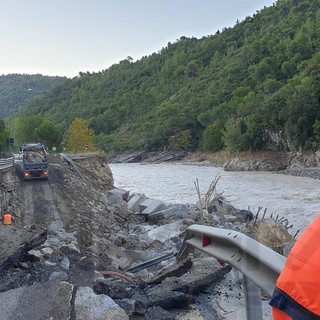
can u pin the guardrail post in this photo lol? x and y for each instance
(252, 300)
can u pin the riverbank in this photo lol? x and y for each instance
(219, 158)
(295, 164)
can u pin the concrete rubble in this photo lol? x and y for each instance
(48, 300)
(80, 269)
(90, 306)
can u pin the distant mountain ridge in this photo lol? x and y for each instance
(251, 87)
(17, 90)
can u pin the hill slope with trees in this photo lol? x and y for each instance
(254, 86)
(16, 90)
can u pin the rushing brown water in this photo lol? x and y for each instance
(296, 198)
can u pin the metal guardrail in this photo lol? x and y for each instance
(259, 264)
(6, 163)
(74, 166)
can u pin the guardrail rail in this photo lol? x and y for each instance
(6, 163)
(74, 166)
(259, 264)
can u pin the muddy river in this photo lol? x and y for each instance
(296, 198)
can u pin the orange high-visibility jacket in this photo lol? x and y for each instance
(297, 292)
(7, 219)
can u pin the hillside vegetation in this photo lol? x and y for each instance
(251, 87)
(16, 90)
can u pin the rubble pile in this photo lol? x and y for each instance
(93, 251)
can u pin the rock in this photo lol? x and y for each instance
(166, 231)
(127, 157)
(134, 202)
(157, 313)
(244, 215)
(237, 164)
(46, 252)
(72, 247)
(117, 195)
(65, 263)
(16, 242)
(150, 157)
(173, 270)
(227, 212)
(35, 255)
(112, 252)
(49, 300)
(58, 275)
(50, 264)
(52, 242)
(175, 211)
(128, 305)
(89, 306)
(54, 227)
(114, 289)
(141, 303)
(263, 161)
(144, 275)
(149, 206)
(220, 205)
(167, 296)
(115, 266)
(66, 237)
(267, 165)
(24, 265)
(179, 292)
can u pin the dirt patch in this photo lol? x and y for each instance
(217, 158)
(222, 157)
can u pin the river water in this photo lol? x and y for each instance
(296, 198)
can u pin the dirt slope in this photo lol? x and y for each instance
(66, 201)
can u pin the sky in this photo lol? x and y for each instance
(65, 37)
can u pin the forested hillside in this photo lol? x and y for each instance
(16, 90)
(251, 87)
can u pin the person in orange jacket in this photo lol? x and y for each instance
(7, 219)
(297, 292)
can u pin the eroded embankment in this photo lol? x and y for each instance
(69, 228)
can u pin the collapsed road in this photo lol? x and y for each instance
(81, 249)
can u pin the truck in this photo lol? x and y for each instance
(34, 161)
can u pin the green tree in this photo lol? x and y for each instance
(300, 114)
(25, 129)
(206, 118)
(3, 135)
(212, 139)
(33, 129)
(49, 134)
(180, 140)
(235, 135)
(80, 136)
